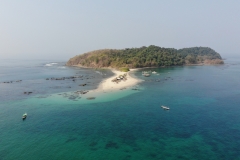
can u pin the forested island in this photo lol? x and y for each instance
(152, 56)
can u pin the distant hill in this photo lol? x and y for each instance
(152, 56)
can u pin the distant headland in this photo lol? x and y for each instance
(151, 56)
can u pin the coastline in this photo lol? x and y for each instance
(106, 90)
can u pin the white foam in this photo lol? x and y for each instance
(50, 64)
(99, 72)
(62, 67)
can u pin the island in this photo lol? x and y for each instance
(129, 59)
(152, 56)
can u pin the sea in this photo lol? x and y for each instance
(62, 122)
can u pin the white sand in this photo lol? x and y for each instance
(108, 85)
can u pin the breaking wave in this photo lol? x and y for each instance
(50, 64)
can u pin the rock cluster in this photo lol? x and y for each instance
(81, 92)
(27, 93)
(12, 81)
(91, 98)
(63, 78)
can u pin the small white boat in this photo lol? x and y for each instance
(146, 75)
(165, 108)
(24, 116)
(154, 72)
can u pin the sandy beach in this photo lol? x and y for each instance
(107, 84)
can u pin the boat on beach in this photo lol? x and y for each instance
(165, 107)
(24, 116)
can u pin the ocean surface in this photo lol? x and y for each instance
(203, 121)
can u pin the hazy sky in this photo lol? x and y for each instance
(58, 29)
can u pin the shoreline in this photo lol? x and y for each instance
(107, 85)
(106, 90)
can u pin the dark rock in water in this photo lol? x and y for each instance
(27, 93)
(70, 140)
(80, 92)
(111, 144)
(128, 157)
(136, 149)
(135, 89)
(59, 78)
(72, 97)
(152, 155)
(77, 92)
(93, 144)
(82, 84)
(63, 78)
(84, 92)
(90, 98)
(8, 82)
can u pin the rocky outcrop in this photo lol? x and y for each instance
(213, 61)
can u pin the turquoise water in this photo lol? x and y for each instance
(203, 121)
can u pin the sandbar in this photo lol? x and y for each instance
(107, 84)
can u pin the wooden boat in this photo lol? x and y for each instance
(24, 116)
(165, 108)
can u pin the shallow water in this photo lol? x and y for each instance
(202, 123)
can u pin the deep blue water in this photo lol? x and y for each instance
(203, 121)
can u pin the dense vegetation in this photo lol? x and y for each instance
(124, 69)
(152, 56)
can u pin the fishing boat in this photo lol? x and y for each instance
(24, 116)
(165, 108)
